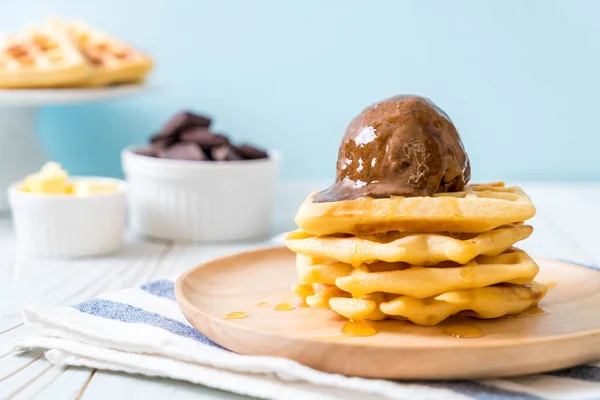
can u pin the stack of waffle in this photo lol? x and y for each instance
(62, 54)
(418, 258)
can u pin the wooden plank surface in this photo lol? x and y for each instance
(563, 229)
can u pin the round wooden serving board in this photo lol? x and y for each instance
(566, 334)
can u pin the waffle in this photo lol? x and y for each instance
(514, 266)
(40, 58)
(360, 309)
(420, 282)
(487, 302)
(488, 287)
(312, 270)
(479, 208)
(416, 249)
(113, 62)
(317, 295)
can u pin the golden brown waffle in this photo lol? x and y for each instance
(479, 208)
(312, 270)
(487, 302)
(514, 266)
(366, 307)
(412, 248)
(40, 58)
(113, 61)
(489, 286)
(317, 295)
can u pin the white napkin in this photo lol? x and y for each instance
(141, 330)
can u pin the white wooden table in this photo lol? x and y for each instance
(564, 228)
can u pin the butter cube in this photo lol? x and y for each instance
(51, 179)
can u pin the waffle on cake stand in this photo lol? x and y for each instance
(40, 67)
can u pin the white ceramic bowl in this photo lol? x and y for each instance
(200, 201)
(55, 225)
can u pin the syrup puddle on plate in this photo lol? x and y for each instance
(463, 331)
(352, 329)
(244, 314)
(532, 311)
(237, 314)
(285, 306)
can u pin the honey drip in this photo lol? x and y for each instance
(352, 329)
(463, 331)
(534, 311)
(285, 306)
(551, 284)
(237, 314)
(358, 328)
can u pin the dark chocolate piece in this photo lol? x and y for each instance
(184, 120)
(183, 151)
(401, 146)
(250, 152)
(225, 153)
(186, 136)
(161, 142)
(204, 138)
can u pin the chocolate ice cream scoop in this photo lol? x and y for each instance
(402, 146)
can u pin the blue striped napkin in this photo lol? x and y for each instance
(141, 330)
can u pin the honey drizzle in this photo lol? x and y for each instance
(463, 331)
(533, 311)
(358, 328)
(237, 314)
(351, 329)
(244, 314)
(285, 306)
(551, 285)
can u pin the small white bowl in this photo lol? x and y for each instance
(201, 201)
(61, 225)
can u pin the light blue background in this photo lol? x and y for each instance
(519, 78)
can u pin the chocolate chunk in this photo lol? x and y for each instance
(183, 151)
(182, 121)
(162, 142)
(146, 151)
(186, 136)
(204, 138)
(225, 153)
(250, 152)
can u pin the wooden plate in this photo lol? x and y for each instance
(566, 334)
